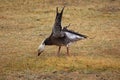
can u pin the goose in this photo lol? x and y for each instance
(60, 36)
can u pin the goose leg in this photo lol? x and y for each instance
(58, 53)
(68, 51)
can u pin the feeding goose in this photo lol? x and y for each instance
(60, 36)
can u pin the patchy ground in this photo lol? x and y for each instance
(25, 23)
(61, 75)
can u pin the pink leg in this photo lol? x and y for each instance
(68, 51)
(58, 53)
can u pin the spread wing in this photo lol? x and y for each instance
(73, 36)
(57, 28)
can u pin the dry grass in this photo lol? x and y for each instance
(24, 24)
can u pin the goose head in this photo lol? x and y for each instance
(45, 42)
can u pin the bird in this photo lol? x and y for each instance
(60, 36)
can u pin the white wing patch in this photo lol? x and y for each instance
(73, 36)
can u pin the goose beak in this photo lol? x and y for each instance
(39, 52)
(41, 48)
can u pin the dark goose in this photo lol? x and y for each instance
(60, 36)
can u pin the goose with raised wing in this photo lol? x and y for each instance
(60, 36)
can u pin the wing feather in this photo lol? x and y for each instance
(57, 28)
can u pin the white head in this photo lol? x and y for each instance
(41, 47)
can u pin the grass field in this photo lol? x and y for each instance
(25, 23)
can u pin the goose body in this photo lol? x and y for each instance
(60, 36)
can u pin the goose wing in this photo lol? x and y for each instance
(73, 36)
(57, 28)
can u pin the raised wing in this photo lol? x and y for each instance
(57, 28)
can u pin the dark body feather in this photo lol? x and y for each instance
(64, 40)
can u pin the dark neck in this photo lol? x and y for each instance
(48, 41)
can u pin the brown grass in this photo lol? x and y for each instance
(24, 24)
